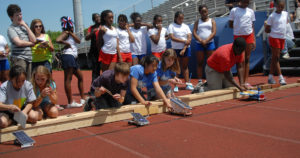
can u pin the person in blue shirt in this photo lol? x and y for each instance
(167, 69)
(144, 75)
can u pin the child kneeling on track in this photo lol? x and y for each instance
(144, 75)
(45, 90)
(110, 88)
(167, 69)
(16, 94)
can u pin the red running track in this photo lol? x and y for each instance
(233, 128)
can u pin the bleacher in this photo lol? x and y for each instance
(190, 9)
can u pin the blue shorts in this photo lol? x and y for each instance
(138, 56)
(4, 65)
(43, 63)
(68, 61)
(186, 54)
(209, 46)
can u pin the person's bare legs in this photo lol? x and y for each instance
(112, 65)
(184, 61)
(246, 63)
(67, 83)
(135, 61)
(4, 75)
(200, 61)
(5, 121)
(79, 76)
(275, 65)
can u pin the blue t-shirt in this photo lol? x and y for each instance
(164, 75)
(46, 99)
(137, 71)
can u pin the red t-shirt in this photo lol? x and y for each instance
(223, 59)
(96, 33)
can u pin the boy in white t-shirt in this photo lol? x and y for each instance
(276, 26)
(4, 64)
(158, 36)
(241, 20)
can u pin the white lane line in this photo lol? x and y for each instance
(243, 131)
(274, 108)
(115, 144)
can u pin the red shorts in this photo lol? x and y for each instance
(126, 57)
(107, 58)
(276, 42)
(158, 54)
(249, 38)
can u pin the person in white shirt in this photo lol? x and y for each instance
(181, 37)
(109, 53)
(241, 19)
(276, 26)
(158, 36)
(69, 63)
(125, 38)
(289, 43)
(139, 31)
(4, 63)
(204, 33)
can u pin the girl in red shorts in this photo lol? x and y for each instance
(276, 26)
(241, 20)
(109, 53)
(125, 38)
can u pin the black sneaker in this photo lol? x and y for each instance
(88, 104)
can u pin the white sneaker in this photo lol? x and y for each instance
(286, 56)
(282, 82)
(189, 86)
(82, 101)
(176, 89)
(74, 105)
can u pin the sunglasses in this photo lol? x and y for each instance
(37, 26)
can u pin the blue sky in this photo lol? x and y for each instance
(50, 11)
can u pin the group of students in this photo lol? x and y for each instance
(126, 69)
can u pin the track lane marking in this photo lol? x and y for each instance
(114, 143)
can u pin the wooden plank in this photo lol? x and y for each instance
(68, 125)
(292, 85)
(275, 85)
(265, 86)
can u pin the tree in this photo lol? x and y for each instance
(53, 35)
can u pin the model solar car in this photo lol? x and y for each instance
(254, 95)
(180, 107)
(138, 120)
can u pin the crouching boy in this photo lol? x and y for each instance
(110, 88)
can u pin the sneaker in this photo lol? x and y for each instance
(88, 105)
(286, 56)
(59, 108)
(248, 85)
(74, 105)
(82, 101)
(282, 82)
(271, 81)
(176, 89)
(189, 86)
